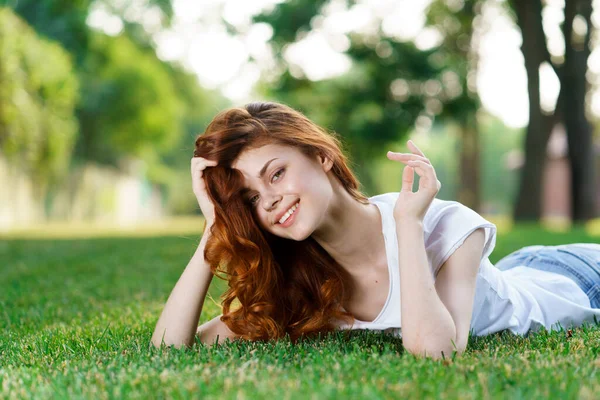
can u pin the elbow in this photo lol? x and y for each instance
(157, 338)
(175, 344)
(164, 340)
(435, 349)
(434, 352)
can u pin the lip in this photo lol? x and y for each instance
(292, 217)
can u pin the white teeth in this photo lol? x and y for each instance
(288, 213)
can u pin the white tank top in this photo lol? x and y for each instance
(519, 299)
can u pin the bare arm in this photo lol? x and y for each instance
(178, 322)
(427, 326)
(456, 282)
(436, 316)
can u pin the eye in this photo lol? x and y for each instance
(277, 174)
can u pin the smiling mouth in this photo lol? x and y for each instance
(289, 214)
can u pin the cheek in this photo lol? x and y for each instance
(311, 186)
(306, 182)
(262, 219)
(317, 186)
(315, 192)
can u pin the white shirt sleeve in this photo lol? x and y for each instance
(446, 225)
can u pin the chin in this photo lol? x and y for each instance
(301, 234)
(289, 236)
(295, 233)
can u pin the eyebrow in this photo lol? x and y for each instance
(264, 168)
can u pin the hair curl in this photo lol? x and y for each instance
(283, 286)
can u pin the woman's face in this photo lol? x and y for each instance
(278, 178)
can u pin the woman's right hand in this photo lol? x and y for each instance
(199, 187)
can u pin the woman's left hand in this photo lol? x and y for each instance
(414, 205)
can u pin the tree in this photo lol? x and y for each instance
(391, 83)
(130, 108)
(199, 106)
(63, 21)
(458, 50)
(38, 93)
(570, 108)
(579, 132)
(131, 103)
(66, 20)
(366, 106)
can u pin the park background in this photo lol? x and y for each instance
(101, 100)
(100, 103)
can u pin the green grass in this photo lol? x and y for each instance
(76, 317)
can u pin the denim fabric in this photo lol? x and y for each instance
(578, 261)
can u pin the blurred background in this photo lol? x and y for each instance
(101, 100)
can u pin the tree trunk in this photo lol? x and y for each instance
(529, 196)
(469, 185)
(579, 132)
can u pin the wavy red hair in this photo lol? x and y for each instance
(283, 286)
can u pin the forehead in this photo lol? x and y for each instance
(250, 161)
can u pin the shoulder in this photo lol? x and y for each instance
(441, 213)
(436, 208)
(449, 212)
(389, 198)
(448, 224)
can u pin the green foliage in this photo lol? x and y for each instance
(38, 94)
(78, 316)
(130, 107)
(499, 185)
(455, 22)
(290, 17)
(441, 146)
(61, 20)
(391, 83)
(199, 106)
(360, 105)
(65, 20)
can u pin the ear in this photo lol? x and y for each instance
(325, 162)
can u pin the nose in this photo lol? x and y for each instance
(271, 201)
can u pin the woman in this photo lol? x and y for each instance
(304, 251)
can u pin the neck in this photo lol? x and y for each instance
(351, 232)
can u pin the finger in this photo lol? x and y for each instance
(202, 163)
(197, 160)
(198, 174)
(413, 147)
(408, 177)
(419, 165)
(407, 156)
(424, 170)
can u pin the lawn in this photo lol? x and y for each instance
(77, 315)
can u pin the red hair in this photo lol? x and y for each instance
(283, 286)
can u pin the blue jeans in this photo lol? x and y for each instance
(578, 261)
